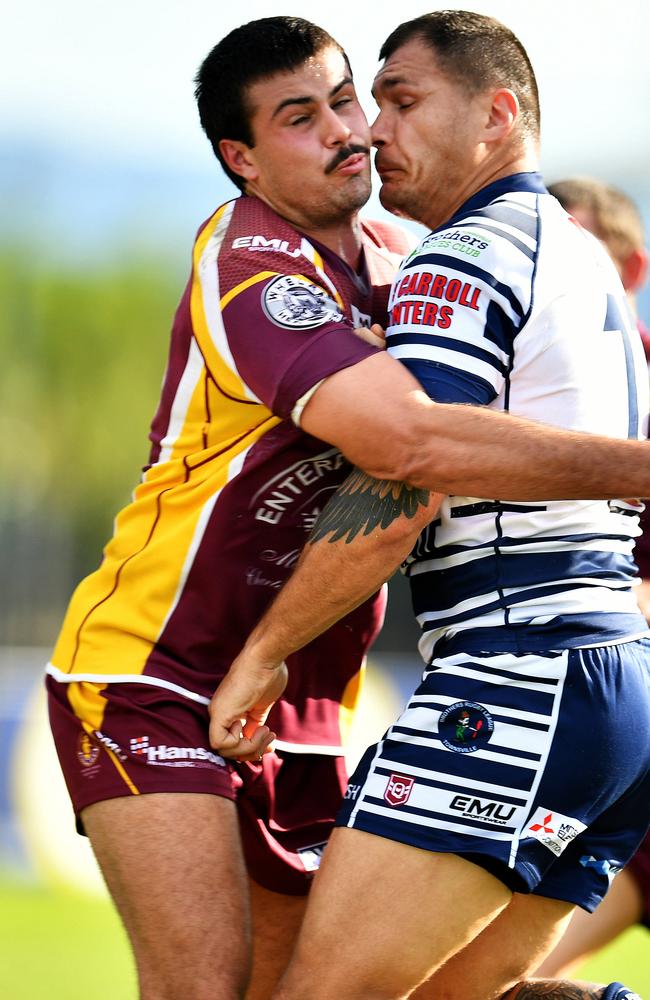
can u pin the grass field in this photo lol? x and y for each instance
(63, 946)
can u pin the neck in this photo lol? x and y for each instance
(344, 239)
(343, 236)
(491, 168)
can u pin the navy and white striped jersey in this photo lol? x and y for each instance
(512, 305)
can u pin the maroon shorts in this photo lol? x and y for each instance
(151, 740)
(639, 867)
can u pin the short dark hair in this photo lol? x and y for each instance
(250, 53)
(617, 220)
(477, 52)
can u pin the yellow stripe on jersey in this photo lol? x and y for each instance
(312, 254)
(113, 622)
(88, 704)
(229, 296)
(90, 728)
(120, 770)
(205, 307)
(349, 703)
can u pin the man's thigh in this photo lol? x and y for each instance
(174, 867)
(507, 951)
(276, 922)
(383, 916)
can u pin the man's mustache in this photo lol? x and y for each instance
(343, 154)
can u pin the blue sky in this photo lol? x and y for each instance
(97, 109)
(119, 75)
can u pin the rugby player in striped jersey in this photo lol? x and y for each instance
(516, 781)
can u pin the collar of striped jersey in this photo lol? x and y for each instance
(527, 181)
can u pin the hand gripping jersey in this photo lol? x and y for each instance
(233, 486)
(514, 306)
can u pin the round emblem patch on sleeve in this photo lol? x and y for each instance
(294, 303)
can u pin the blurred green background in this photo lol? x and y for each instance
(83, 357)
(102, 968)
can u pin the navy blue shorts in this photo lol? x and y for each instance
(535, 767)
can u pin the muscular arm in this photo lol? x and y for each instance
(380, 418)
(361, 537)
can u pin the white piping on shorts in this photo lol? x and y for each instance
(286, 747)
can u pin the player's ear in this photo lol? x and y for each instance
(239, 158)
(502, 115)
(634, 270)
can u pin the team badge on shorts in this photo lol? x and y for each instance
(297, 304)
(465, 727)
(87, 750)
(398, 789)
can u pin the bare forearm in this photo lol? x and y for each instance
(479, 452)
(354, 548)
(365, 531)
(383, 422)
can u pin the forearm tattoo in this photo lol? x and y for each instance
(362, 504)
(554, 989)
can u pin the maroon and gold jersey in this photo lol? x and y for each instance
(233, 485)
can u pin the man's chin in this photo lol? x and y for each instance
(358, 192)
(389, 196)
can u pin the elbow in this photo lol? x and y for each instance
(427, 469)
(420, 453)
(426, 464)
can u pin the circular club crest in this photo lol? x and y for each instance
(295, 304)
(465, 727)
(87, 750)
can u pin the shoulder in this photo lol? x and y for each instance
(501, 234)
(244, 243)
(251, 233)
(385, 245)
(496, 246)
(387, 236)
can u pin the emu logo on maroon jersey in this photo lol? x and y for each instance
(398, 789)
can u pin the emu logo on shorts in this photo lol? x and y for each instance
(465, 727)
(292, 303)
(87, 750)
(398, 789)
